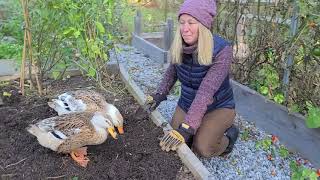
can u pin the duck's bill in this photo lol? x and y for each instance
(113, 132)
(120, 129)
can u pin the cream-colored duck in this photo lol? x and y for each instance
(70, 133)
(86, 101)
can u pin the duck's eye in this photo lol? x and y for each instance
(62, 98)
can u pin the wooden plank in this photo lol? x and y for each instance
(69, 72)
(152, 35)
(186, 155)
(9, 78)
(8, 67)
(154, 52)
(275, 119)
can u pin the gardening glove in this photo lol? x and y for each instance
(152, 102)
(174, 138)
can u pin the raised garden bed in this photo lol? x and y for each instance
(135, 155)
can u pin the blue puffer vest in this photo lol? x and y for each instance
(190, 74)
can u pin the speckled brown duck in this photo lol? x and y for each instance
(86, 101)
(70, 133)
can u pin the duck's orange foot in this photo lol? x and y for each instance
(80, 156)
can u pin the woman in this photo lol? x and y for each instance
(205, 112)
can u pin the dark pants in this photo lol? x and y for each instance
(209, 139)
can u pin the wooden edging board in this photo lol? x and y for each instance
(276, 119)
(188, 158)
(149, 49)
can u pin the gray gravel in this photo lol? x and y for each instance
(246, 161)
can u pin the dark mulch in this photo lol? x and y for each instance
(135, 155)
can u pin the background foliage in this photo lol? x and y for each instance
(70, 33)
(264, 38)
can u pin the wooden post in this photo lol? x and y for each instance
(241, 48)
(168, 38)
(289, 62)
(137, 23)
(23, 64)
(168, 34)
(166, 10)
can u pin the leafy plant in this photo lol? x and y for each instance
(313, 117)
(69, 33)
(10, 51)
(269, 145)
(299, 172)
(294, 108)
(245, 134)
(283, 152)
(279, 98)
(264, 144)
(267, 81)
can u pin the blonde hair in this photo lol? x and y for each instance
(205, 46)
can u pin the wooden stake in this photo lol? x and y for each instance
(28, 46)
(23, 64)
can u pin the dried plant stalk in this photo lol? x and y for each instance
(28, 47)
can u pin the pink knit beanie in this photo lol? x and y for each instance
(202, 10)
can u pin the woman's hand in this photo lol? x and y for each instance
(174, 138)
(152, 102)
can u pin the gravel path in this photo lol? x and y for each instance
(257, 155)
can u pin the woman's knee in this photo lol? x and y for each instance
(205, 150)
(178, 117)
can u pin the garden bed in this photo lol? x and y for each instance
(134, 155)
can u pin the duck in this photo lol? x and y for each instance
(71, 133)
(87, 101)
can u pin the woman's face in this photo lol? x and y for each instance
(189, 29)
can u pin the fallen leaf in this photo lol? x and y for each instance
(274, 139)
(298, 161)
(312, 24)
(273, 172)
(318, 172)
(270, 158)
(6, 94)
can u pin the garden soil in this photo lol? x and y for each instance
(134, 155)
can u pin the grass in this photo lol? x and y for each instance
(152, 18)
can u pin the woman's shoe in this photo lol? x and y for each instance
(232, 133)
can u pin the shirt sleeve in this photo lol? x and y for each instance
(168, 80)
(210, 84)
